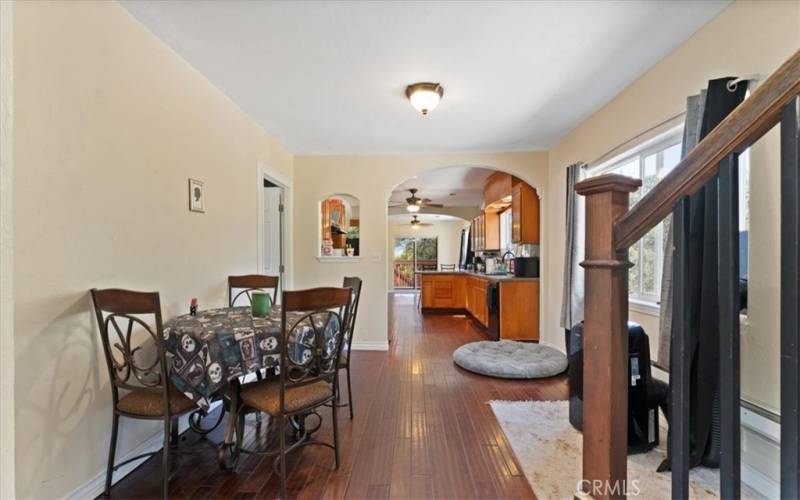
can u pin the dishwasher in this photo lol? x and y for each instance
(493, 307)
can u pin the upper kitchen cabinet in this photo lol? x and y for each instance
(524, 213)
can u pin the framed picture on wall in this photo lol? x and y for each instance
(197, 196)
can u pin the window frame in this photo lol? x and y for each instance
(639, 300)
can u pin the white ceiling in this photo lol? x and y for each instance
(450, 186)
(329, 77)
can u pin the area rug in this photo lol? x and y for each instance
(510, 359)
(549, 451)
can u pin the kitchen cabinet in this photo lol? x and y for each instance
(443, 291)
(519, 301)
(497, 187)
(485, 232)
(519, 310)
(476, 299)
(491, 229)
(524, 214)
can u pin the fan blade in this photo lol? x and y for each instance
(433, 205)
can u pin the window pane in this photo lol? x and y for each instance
(650, 175)
(648, 261)
(633, 274)
(672, 155)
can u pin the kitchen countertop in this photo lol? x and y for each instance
(494, 277)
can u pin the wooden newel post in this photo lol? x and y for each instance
(605, 341)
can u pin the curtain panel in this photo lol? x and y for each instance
(572, 295)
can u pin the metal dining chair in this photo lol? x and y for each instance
(313, 323)
(447, 267)
(123, 318)
(250, 283)
(354, 284)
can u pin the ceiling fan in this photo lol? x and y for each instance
(416, 223)
(414, 203)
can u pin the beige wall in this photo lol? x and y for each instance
(749, 37)
(109, 125)
(448, 240)
(371, 179)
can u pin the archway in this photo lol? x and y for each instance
(468, 187)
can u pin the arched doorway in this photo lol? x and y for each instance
(486, 201)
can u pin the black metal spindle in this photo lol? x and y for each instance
(729, 305)
(790, 299)
(681, 355)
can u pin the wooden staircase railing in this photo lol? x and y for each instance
(611, 229)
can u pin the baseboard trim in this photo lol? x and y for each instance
(379, 345)
(95, 486)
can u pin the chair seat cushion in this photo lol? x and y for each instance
(151, 403)
(266, 396)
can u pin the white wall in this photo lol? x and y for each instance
(448, 243)
(372, 179)
(109, 125)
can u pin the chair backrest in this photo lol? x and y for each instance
(249, 283)
(427, 267)
(447, 267)
(354, 284)
(314, 323)
(127, 321)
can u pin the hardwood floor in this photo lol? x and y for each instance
(422, 429)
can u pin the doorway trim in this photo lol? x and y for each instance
(277, 178)
(7, 379)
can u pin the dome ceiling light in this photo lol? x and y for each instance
(424, 96)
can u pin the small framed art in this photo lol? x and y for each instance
(197, 196)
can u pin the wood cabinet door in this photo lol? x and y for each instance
(443, 292)
(482, 232)
(492, 228)
(427, 292)
(516, 212)
(524, 214)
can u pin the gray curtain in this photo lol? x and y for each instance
(695, 108)
(572, 296)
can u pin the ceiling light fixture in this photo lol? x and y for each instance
(412, 208)
(424, 96)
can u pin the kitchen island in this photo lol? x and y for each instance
(507, 307)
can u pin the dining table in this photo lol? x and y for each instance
(208, 354)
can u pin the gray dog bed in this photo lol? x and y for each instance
(510, 359)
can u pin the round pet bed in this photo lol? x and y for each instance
(510, 359)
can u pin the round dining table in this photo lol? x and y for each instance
(210, 351)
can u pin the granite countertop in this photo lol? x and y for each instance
(494, 277)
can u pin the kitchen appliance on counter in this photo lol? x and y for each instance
(526, 267)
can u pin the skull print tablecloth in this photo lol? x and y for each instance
(207, 350)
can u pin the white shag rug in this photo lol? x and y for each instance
(549, 451)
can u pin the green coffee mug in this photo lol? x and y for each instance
(261, 305)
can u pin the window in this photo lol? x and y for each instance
(649, 163)
(505, 230)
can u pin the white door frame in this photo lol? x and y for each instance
(277, 178)
(7, 377)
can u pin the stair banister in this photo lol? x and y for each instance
(745, 125)
(611, 228)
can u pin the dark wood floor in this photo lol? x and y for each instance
(422, 429)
